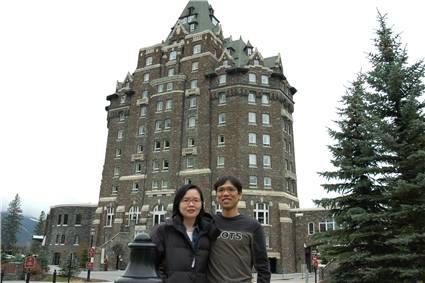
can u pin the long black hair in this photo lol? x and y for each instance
(179, 196)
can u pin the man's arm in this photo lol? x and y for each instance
(261, 261)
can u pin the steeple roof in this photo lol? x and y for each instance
(201, 14)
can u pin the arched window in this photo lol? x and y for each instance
(158, 214)
(133, 215)
(261, 213)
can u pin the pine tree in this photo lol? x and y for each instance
(360, 236)
(395, 95)
(11, 224)
(71, 265)
(39, 230)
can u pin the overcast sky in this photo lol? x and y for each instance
(60, 59)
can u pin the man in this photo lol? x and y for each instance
(241, 244)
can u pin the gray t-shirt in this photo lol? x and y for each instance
(240, 246)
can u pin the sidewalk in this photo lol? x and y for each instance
(110, 276)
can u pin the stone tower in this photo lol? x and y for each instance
(197, 107)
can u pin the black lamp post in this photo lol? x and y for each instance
(141, 266)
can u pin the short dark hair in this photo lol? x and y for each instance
(232, 179)
(179, 196)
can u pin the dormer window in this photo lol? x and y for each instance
(214, 20)
(191, 10)
(249, 51)
(191, 18)
(192, 27)
(256, 62)
(173, 55)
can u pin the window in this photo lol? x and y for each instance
(222, 98)
(139, 148)
(149, 61)
(168, 104)
(173, 55)
(142, 130)
(225, 63)
(326, 225)
(252, 119)
(145, 94)
(121, 116)
(164, 184)
(158, 126)
(265, 119)
(76, 240)
(135, 187)
(192, 122)
(171, 72)
(116, 171)
(192, 102)
(120, 134)
(267, 161)
(166, 144)
(251, 98)
(154, 184)
(63, 240)
(138, 167)
(155, 165)
(290, 147)
(195, 66)
(59, 219)
(265, 99)
(122, 99)
(253, 181)
(160, 88)
(261, 213)
(109, 216)
(189, 162)
(220, 140)
(222, 118)
(65, 219)
(266, 140)
(118, 152)
(187, 181)
(78, 219)
(165, 165)
(249, 51)
(222, 79)
(167, 124)
(133, 215)
(158, 214)
(115, 189)
(190, 142)
(220, 161)
(252, 138)
(252, 78)
(264, 80)
(169, 86)
(159, 106)
(256, 62)
(311, 228)
(252, 160)
(57, 239)
(193, 84)
(146, 77)
(267, 182)
(143, 110)
(197, 49)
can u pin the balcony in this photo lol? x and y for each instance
(143, 100)
(192, 91)
(189, 151)
(137, 157)
(285, 113)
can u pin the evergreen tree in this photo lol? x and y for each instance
(356, 210)
(395, 95)
(71, 265)
(11, 224)
(39, 230)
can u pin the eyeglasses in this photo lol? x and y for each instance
(230, 190)
(186, 201)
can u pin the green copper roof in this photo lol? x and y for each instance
(201, 14)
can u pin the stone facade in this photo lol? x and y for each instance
(197, 107)
(68, 230)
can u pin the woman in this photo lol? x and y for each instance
(184, 241)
